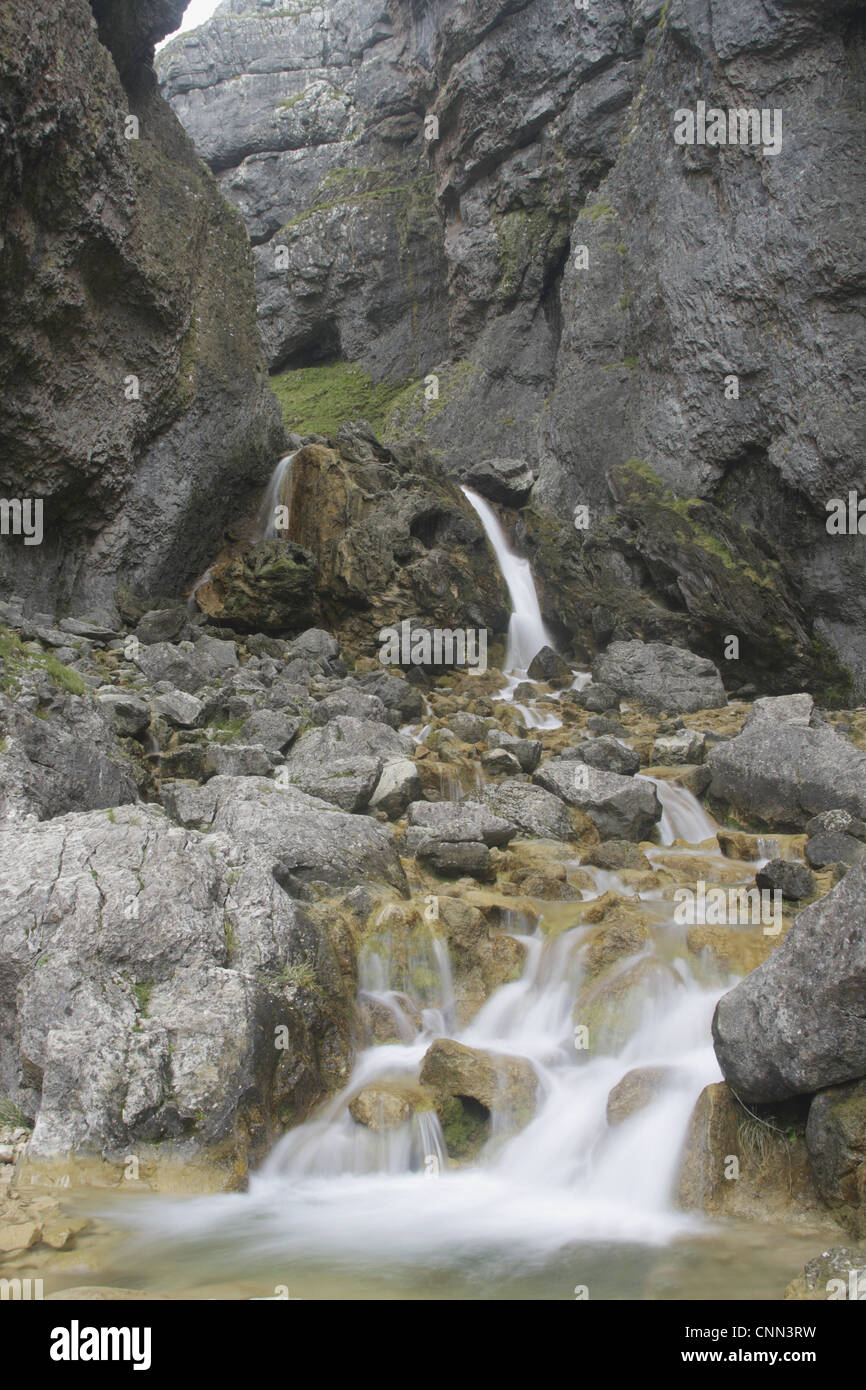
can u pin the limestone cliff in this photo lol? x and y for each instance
(133, 396)
(581, 285)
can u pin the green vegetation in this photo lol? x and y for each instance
(300, 975)
(18, 659)
(523, 235)
(318, 400)
(11, 1115)
(359, 187)
(596, 212)
(142, 993)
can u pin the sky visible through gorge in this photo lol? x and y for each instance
(197, 11)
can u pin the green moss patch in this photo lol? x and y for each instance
(318, 400)
(17, 660)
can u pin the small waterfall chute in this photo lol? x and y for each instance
(278, 494)
(527, 632)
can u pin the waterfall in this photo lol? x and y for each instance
(278, 493)
(683, 817)
(527, 633)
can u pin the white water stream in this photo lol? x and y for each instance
(278, 494)
(527, 633)
(364, 1204)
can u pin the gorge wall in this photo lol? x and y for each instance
(134, 399)
(581, 286)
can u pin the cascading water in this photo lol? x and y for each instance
(527, 633)
(278, 495)
(345, 1197)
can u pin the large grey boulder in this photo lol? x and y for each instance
(443, 820)
(527, 751)
(606, 753)
(781, 774)
(398, 786)
(185, 666)
(342, 761)
(796, 1024)
(310, 842)
(667, 679)
(139, 985)
(67, 761)
(395, 693)
(621, 808)
(532, 809)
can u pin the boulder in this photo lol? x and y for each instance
(178, 708)
(129, 713)
(395, 693)
(470, 1086)
(796, 1024)
(598, 697)
(68, 761)
(637, 1089)
(793, 881)
(357, 704)
(615, 855)
(835, 1274)
(782, 774)
(344, 782)
(782, 709)
(832, 847)
(832, 822)
(502, 480)
(712, 1136)
(380, 1108)
(498, 762)
(445, 820)
(309, 842)
(481, 960)
(685, 747)
(527, 751)
(398, 786)
(622, 808)
(606, 753)
(469, 728)
(836, 1141)
(164, 625)
(237, 760)
(454, 858)
(547, 665)
(272, 729)
(143, 1009)
(533, 810)
(342, 761)
(662, 678)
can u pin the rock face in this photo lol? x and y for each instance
(386, 538)
(306, 119)
(141, 990)
(783, 774)
(619, 807)
(499, 252)
(796, 1025)
(66, 761)
(836, 1140)
(662, 678)
(128, 409)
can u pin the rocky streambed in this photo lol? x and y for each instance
(411, 976)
